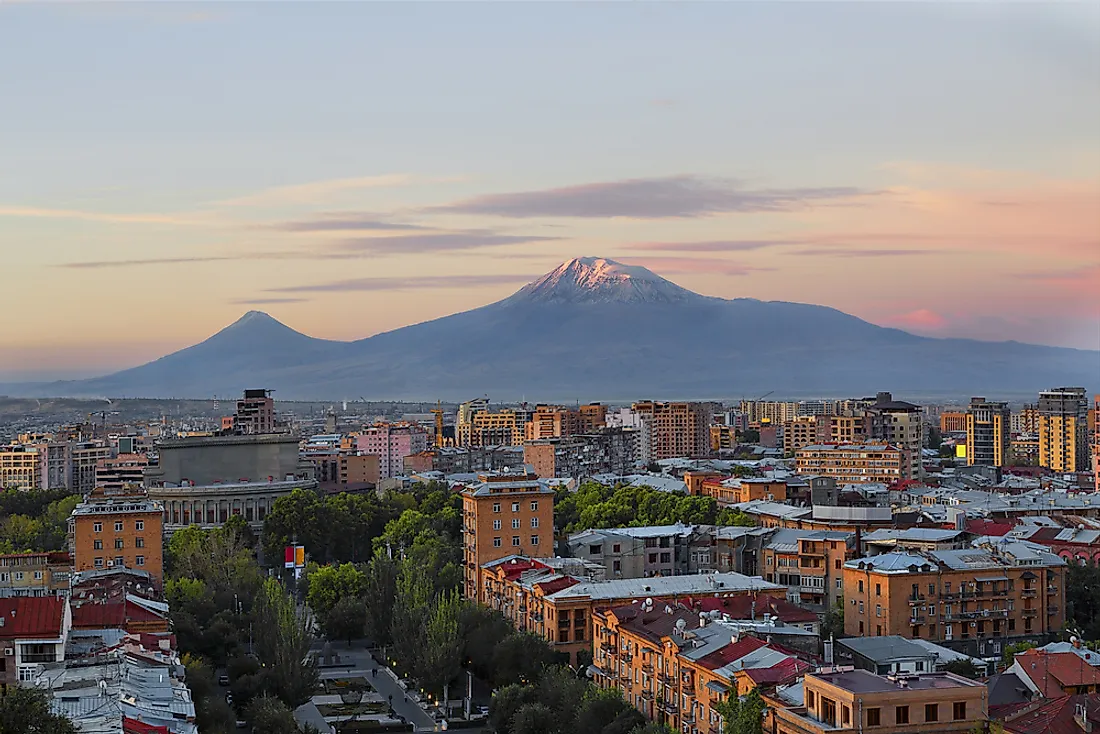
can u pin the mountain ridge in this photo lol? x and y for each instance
(596, 327)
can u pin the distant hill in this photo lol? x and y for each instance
(594, 328)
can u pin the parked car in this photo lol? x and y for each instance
(223, 680)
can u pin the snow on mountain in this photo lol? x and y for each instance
(599, 280)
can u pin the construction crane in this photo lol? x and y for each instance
(437, 411)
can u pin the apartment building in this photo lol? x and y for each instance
(123, 530)
(855, 463)
(33, 631)
(35, 574)
(114, 473)
(20, 467)
(391, 443)
(676, 429)
(504, 514)
(642, 552)
(722, 437)
(855, 700)
(1026, 419)
(579, 456)
(900, 424)
(974, 600)
(1063, 429)
(952, 421)
(674, 664)
(728, 491)
(555, 421)
(541, 597)
(804, 430)
(466, 460)
(988, 433)
(809, 563)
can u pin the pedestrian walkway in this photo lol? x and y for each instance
(384, 681)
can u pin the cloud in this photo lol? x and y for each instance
(714, 245)
(921, 319)
(857, 252)
(706, 265)
(406, 283)
(267, 301)
(96, 264)
(31, 212)
(647, 198)
(440, 242)
(315, 191)
(346, 221)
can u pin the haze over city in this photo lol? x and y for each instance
(351, 169)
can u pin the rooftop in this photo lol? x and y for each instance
(717, 583)
(32, 617)
(862, 681)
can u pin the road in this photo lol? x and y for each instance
(385, 682)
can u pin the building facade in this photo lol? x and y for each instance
(988, 433)
(676, 429)
(1063, 429)
(391, 443)
(855, 463)
(121, 530)
(20, 468)
(900, 424)
(608, 451)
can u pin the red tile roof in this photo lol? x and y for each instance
(564, 582)
(754, 607)
(99, 616)
(779, 673)
(32, 617)
(1055, 717)
(133, 726)
(988, 527)
(731, 652)
(1052, 672)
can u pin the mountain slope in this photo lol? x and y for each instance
(594, 328)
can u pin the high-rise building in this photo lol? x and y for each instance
(552, 421)
(855, 463)
(504, 514)
(899, 423)
(255, 413)
(391, 443)
(952, 421)
(676, 429)
(1063, 429)
(988, 433)
(114, 474)
(1026, 419)
(20, 467)
(804, 431)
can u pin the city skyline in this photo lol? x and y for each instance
(321, 165)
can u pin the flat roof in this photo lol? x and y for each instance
(862, 681)
(717, 583)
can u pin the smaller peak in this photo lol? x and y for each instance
(252, 319)
(599, 279)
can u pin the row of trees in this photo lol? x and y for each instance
(227, 613)
(35, 520)
(595, 505)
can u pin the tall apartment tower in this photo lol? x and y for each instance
(1063, 429)
(255, 413)
(900, 424)
(677, 429)
(504, 514)
(988, 433)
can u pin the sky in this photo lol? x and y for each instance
(351, 168)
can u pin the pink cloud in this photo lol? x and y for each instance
(922, 319)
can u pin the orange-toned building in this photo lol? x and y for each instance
(979, 599)
(674, 664)
(118, 530)
(854, 700)
(541, 595)
(855, 463)
(730, 490)
(952, 422)
(504, 514)
(677, 429)
(554, 421)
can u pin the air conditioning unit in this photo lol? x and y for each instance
(8, 652)
(110, 564)
(973, 624)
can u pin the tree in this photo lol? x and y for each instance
(1083, 599)
(964, 667)
(442, 659)
(730, 516)
(346, 619)
(271, 716)
(833, 623)
(520, 658)
(652, 727)
(1009, 655)
(379, 591)
(606, 712)
(742, 715)
(329, 584)
(533, 718)
(482, 630)
(25, 710)
(282, 645)
(505, 703)
(212, 713)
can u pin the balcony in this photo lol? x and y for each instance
(647, 667)
(917, 599)
(608, 648)
(647, 694)
(1030, 612)
(39, 657)
(626, 657)
(917, 619)
(665, 678)
(688, 717)
(1029, 593)
(687, 691)
(667, 706)
(1052, 610)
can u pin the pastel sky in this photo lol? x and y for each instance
(355, 167)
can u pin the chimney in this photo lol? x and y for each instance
(1080, 715)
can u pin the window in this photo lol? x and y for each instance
(515, 507)
(534, 522)
(874, 717)
(535, 506)
(496, 524)
(861, 607)
(534, 540)
(515, 523)
(861, 586)
(901, 714)
(118, 543)
(836, 564)
(878, 610)
(861, 628)
(18, 575)
(616, 548)
(26, 673)
(652, 557)
(139, 525)
(666, 558)
(878, 589)
(931, 589)
(878, 630)
(118, 560)
(845, 715)
(515, 540)
(496, 507)
(840, 583)
(97, 544)
(958, 710)
(931, 712)
(810, 699)
(118, 526)
(139, 542)
(496, 542)
(99, 563)
(97, 527)
(37, 575)
(617, 566)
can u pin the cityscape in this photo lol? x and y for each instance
(550, 368)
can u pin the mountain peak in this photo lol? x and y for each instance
(600, 280)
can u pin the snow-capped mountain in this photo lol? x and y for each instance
(595, 329)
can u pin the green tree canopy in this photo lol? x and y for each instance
(25, 710)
